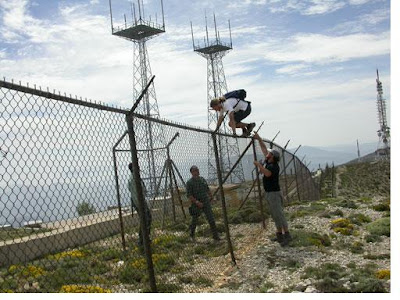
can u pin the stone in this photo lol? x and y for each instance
(311, 289)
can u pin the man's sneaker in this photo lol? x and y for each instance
(250, 127)
(278, 238)
(286, 239)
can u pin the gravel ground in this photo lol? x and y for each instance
(265, 266)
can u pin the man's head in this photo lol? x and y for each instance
(194, 170)
(274, 154)
(215, 104)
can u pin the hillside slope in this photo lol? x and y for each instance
(339, 244)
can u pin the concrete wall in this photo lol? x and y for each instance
(73, 233)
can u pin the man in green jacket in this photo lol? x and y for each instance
(200, 196)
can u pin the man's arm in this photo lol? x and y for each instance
(220, 120)
(262, 144)
(263, 170)
(191, 196)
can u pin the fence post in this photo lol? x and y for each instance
(333, 180)
(121, 221)
(259, 186)
(222, 195)
(141, 203)
(297, 180)
(284, 173)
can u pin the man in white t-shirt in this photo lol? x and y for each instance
(237, 110)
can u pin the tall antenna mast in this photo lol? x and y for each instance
(214, 51)
(384, 130)
(149, 136)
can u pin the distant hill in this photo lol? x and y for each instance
(338, 154)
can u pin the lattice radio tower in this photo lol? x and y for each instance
(384, 130)
(149, 135)
(214, 50)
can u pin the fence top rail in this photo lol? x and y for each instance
(59, 97)
(97, 105)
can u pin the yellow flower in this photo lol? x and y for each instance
(383, 274)
(72, 253)
(74, 288)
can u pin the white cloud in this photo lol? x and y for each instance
(363, 22)
(358, 2)
(290, 69)
(323, 7)
(320, 49)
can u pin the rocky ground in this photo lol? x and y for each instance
(354, 262)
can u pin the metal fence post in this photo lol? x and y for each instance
(284, 173)
(141, 203)
(297, 180)
(259, 186)
(222, 195)
(121, 221)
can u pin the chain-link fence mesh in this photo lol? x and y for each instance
(66, 214)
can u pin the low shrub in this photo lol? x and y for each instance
(373, 238)
(328, 276)
(379, 227)
(377, 256)
(383, 274)
(359, 219)
(357, 247)
(382, 207)
(342, 226)
(267, 285)
(302, 238)
(347, 204)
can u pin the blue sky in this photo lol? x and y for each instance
(308, 66)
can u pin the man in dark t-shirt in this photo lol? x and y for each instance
(273, 192)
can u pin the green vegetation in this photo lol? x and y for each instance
(85, 208)
(302, 238)
(377, 256)
(15, 233)
(248, 214)
(365, 180)
(383, 206)
(347, 203)
(373, 238)
(314, 208)
(343, 226)
(363, 279)
(265, 287)
(359, 219)
(379, 227)
(328, 276)
(357, 247)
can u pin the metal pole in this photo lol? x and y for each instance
(259, 186)
(141, 203)
(248, 194)
(297, 180)
(284, 173)
(121, 222)
(177, 191)
(222, 195)
(171, 191)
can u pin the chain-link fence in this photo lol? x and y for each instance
(68, 222)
